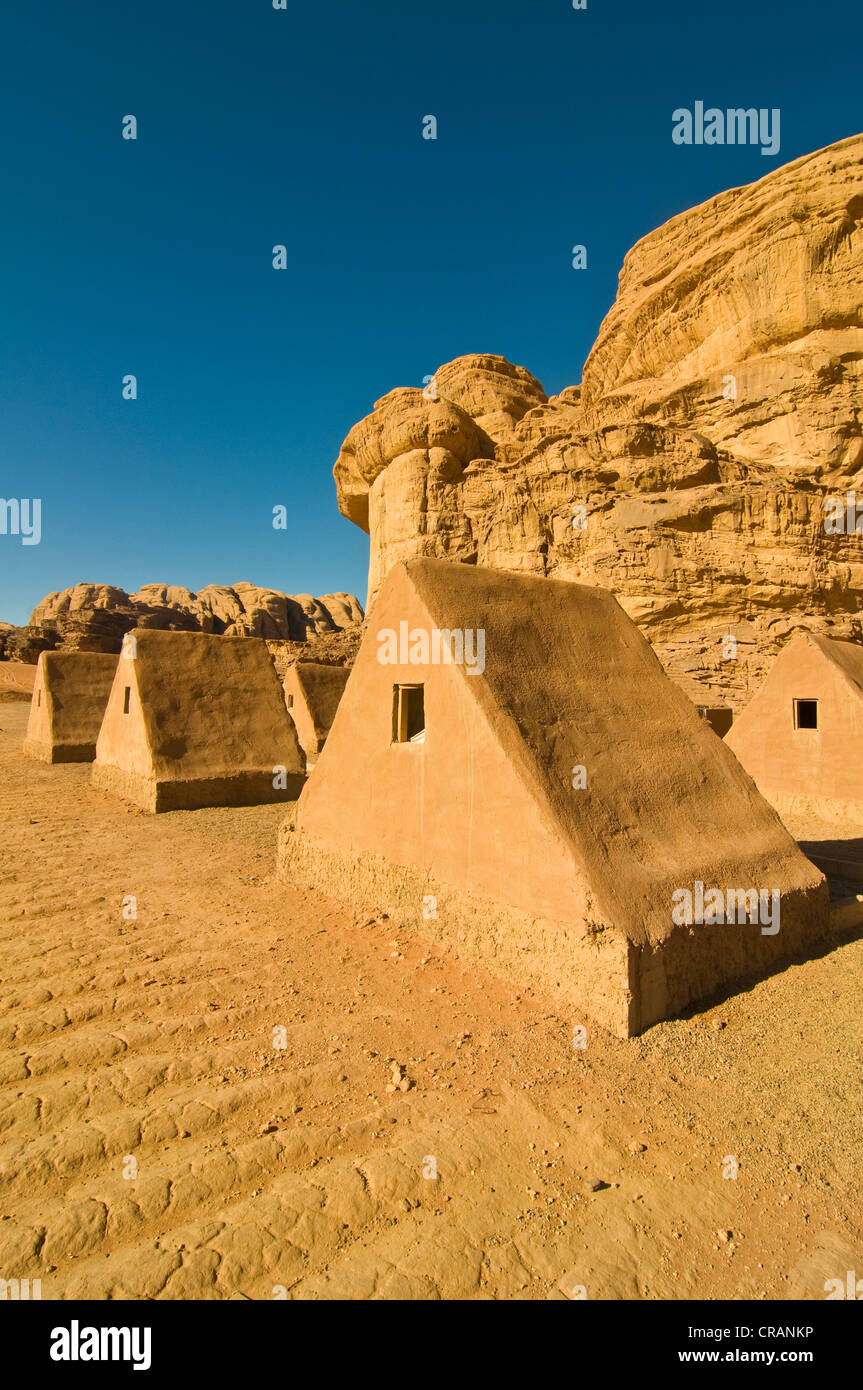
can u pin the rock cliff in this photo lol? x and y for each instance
(689, 471)
(95, 616)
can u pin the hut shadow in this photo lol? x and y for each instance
(745, 984)
(840, 859)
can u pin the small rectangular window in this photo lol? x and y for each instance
(126, 696)
(38, 698)
(806, 714)
(409, 723)
(290, 701)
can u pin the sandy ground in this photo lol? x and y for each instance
(154, 1143)
(16, 681)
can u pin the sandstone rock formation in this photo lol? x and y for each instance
(688, 473)
(94, 617)
(24, 644)
(742, 318)
(328, 649)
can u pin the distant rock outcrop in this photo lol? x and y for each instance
(94, 617)
(24, 643)
(689, 472)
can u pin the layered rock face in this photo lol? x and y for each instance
(743, 318)
(24, 644)
(94, 617)
(720, 407)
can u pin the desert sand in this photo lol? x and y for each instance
(16, 681)
(298, 1172)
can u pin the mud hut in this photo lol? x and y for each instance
(312, 695)
(70, 693)
(194, 720)
(511, 772)
(801, 734)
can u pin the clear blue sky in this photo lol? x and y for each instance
(303, 127)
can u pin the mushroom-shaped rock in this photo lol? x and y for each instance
(402, 422)
(494, 392)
